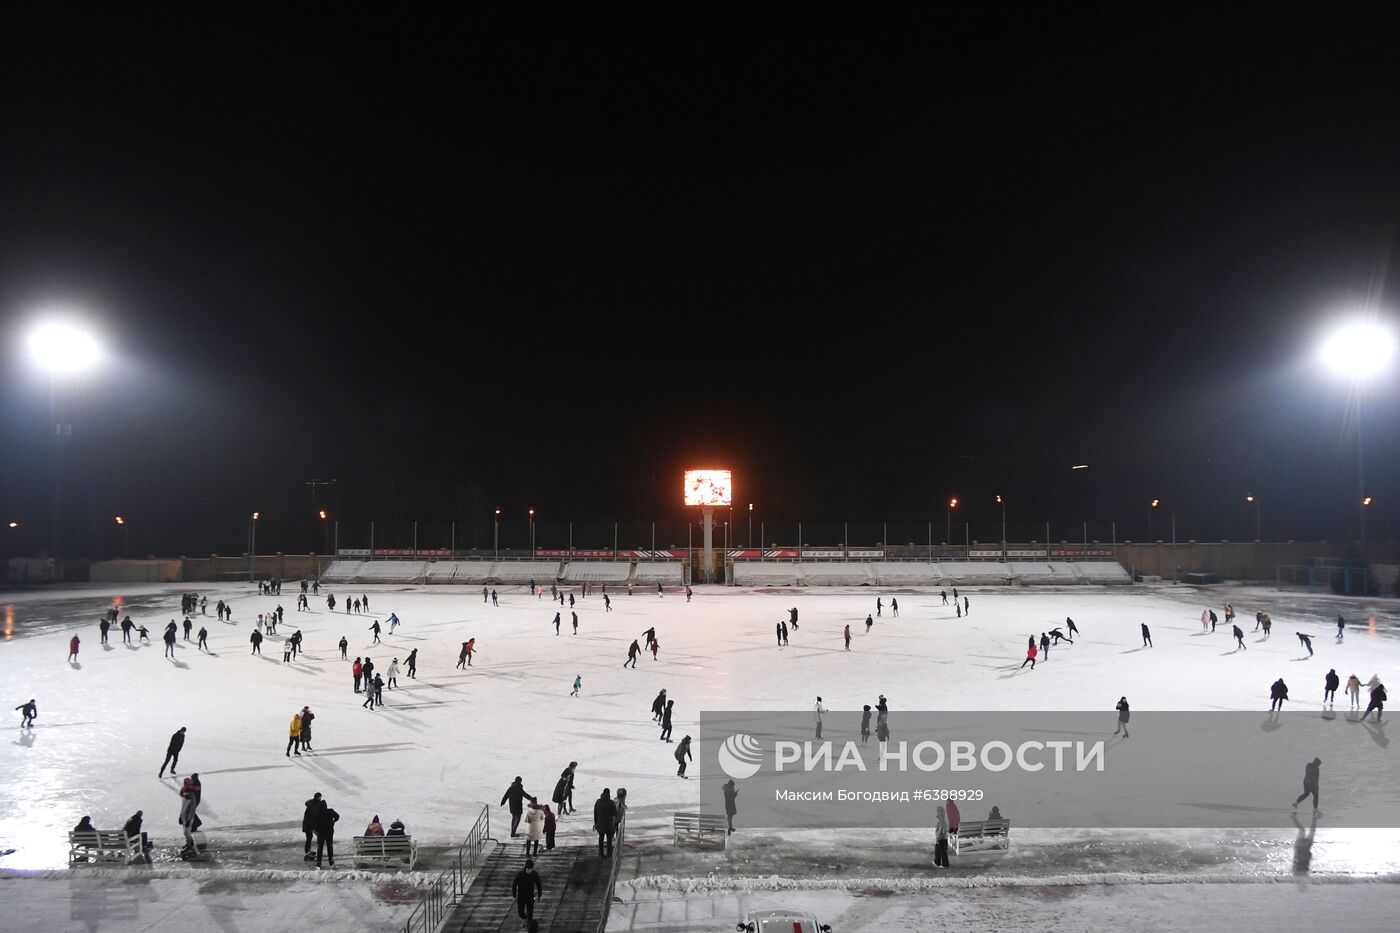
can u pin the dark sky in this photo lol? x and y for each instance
(458, 265)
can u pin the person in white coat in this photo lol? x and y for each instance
(819, 711)
(391, 676)
(534, 827)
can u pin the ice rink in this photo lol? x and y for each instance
(451, 741)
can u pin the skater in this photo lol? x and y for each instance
(485, 595)
(556, 623)
(1354, 691)
(666, 721)
(632, 653)
(1268, 624)
(524, 889)
(355, 604)
(330, 601)
(375, 629)
(534, 827)
(309, 818)
(894, 607)
(657, 705)
(778, 629)
(847, 636)
(470, 649)
(1306, 642)
(865, 724)
(1205, 619)
(944, 594)
(1377, 703)
(1239, 637)
(604, 822)
(143, 634)
(1069, 624)
(1146, 636)
(688, 592)
(1059, 636)
(189, 819)
(1122, 708)
(325, 833)
(256, 638)
(294, 735)
(868, 623)
(575, 615)
(126, 630)
(578, 685)
(1341, 624)
(1258, 620)
(73, 649)
(571, 600)
(344, 647)
(203, 644)
(31, 713)
(494, 600)
(357, 669)
(560, 797)
(658, 591)
(306, 717)
(731, 806)
(464, 658)
(649, 634)
(1329, 687)
(878, 605)
(172, 752)
(393, 622)
(1229, 614)
(287, 652)
(1312, 775)
(818, 712)
(1030, 657)
(103, 626)
(940, 845)
(368, 672)
(1212, 620)
(785, 632)
(189, 627)
(967, 606)
(411, 662)
(170, 640)
(607, 603)
(1278, 692)
(1044, 646)
(378, 690)
(957, 609)
(515, 795)
(655, 647)
(683, 755)
(370, 700)
(393, 672)
(792, 618)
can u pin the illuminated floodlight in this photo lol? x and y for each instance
(1080, 466)
(709, 487)
(1366, 501)
(120, 520)
(1154, 502)
(63, 347)
(14, 524)
(1359, 350)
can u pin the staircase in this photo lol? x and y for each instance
(575, 882)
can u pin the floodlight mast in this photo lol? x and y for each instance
(1357, 352)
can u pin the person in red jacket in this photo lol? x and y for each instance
(73, 649)
(954, 818)
(1030, 657)
(358, 670)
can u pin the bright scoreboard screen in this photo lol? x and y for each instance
(709, 487)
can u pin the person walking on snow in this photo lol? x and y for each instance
(172, 752)
(1122, 708)
(682, 756)
(1330, 683)
(604, 822)
(1239, 637)
(632, 653)
(294, 735)
(515, 795)
(1306, 642)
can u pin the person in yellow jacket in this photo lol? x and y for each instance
(294, 733)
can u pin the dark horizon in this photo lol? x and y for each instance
(554, 268)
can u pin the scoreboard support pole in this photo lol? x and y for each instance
(708, 565)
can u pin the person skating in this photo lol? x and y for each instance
(967, 606)
(1205, 620)
(556, 623)
(189, 818)
(1123, 714)
(524, 889)
(1069, 624)
(785, 632)
(604, 822)
(847, 635)
(144, 634)
(560, 797)
(1258, 620)
(309, 820)
(306, 719)
(471, 650)
(1213, 620)
(571, 601)
(1030, 657)
(344, 648)
(1059, 636)
(632, 652)
(294, 735)
(485, 595)
(957, 610)
(894, 607)
(103, 626)
(1329, 686)
(655, 647)
(666, 721)
(1306, 642)
(868, 623)
(375, 629)
(792, 618)
(411, 662)
(463, 658)
(494, 599)
(1239, 637)
(1377, 702)
(358, 670)
(1354, 691)
(878, 605)
(203, 644)
(682, 756)
(1278, 692)
(649, 634)
(515, 797)
(1312, 776)
(578, 685)
(778, 630)
(378, 690)
(944, 594)
(657, 705)
(127, 626)
(172, 752)
(865, 725)
(607, 607)
(256, 637)
(170, 641)
(325, 833)
(30, 712)
(1146, 636)
(189, 627)
(658, 591)
(1341, 624)
(731, 803)
(393, 672)
(575, 616)
(1229, 614)
(1268, 625)
(393, 622)
(1044, 646)
(73, 649)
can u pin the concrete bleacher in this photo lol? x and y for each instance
(837, 574)
(765, 573)
(342, 571)
(594, 571)
(542, 572)
(911, 573)
(393, 571)
(941, 573)
(652, 572)
(1105, 572)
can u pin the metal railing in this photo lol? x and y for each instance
(612, 876)
(451, 884)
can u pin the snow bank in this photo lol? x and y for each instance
(718, 882)
(584, 571)
(667, 573)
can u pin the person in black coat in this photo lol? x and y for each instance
(1239, 636)
(325, 833)
(1330, 683)
(731, 794)
(1278, 692)
(605, 822)
(658, 705)
(310, 819)
(1146, 636)
(1311, 776)
(666, 721)
(516, 795)
(525, 888)
(172, 752)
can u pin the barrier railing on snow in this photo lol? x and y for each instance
(451, 884)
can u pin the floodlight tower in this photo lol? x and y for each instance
(708, 489)
(1358, 352)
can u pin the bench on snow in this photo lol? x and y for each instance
(982, 836)
(701, 829)
(385, 852)
(104, 846)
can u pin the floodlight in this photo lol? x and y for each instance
(62, 347)
(1359, 350)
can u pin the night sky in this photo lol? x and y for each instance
(549, 263)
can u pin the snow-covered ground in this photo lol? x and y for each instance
(451, 741)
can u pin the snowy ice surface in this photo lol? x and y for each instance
(451, 741)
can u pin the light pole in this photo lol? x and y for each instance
(252, 543)
(496, 534)
(1001, 503)
(1150, 509)
(1357, 352)
(60, 347)
(1258, 535)
(948, 533)
(122, 522)
(325, 531)
(532, 534)
(750, 524)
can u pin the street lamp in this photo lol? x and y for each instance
(1001, 503)
(948, 535)
(1258, 536)
(122, 522)
(325, 531)
(1359, 351)
(532, 534)
(750, 524)
(253, 542)
(1155, 503)
(60, 348)
(496, 534)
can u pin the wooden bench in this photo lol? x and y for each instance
(982, 836)
(385, 852)
(701, 829)
(104, 846)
